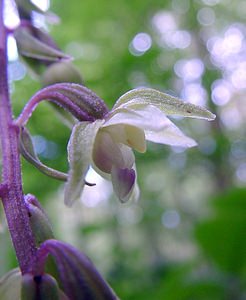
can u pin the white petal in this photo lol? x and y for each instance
(170, 135)
(129, 135)
(145, 117)
(168, 104)
(107, 152)
(79, 157)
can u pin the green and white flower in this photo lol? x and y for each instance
(138, 116)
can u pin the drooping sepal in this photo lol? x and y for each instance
(79, 157)
(79, 277)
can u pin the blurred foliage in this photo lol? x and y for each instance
(185, 238)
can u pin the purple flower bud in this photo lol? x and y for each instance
(42, 287)
(37, 47)
(79, 277)
(39, 220)
(59, 72)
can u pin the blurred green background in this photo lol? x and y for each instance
(186, 237)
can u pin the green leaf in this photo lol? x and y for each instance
(222, 237)
(79, 156)
(168, 104)
(10, 285)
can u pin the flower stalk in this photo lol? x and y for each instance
(81, 102)
(11, 190)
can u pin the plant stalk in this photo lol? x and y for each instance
(11, 190)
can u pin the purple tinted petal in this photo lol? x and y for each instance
(123, 181)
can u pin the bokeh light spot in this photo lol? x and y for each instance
(206, 16)
(171, 219)
(221, 92)
(189, 70)
(42, 4)
(140, 44)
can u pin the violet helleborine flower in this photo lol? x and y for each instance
(106, 144)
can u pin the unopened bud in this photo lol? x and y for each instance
(42, 287)
(35, 44)
(61, 72)
(79, 277)
(39, 220)
(10, 285)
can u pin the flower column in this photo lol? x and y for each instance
(11, 187)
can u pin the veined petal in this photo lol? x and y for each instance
(168, 104)
(129, 135)
(123, 181)
(79, 156)
(170, 135)
(145, 117)
(107, 152)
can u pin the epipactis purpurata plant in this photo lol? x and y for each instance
(101, 138)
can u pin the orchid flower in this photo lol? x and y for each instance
(106, 144)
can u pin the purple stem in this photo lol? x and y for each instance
(11, 187)
(55, 97)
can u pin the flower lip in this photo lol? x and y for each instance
(107, 152)
(123, 181)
